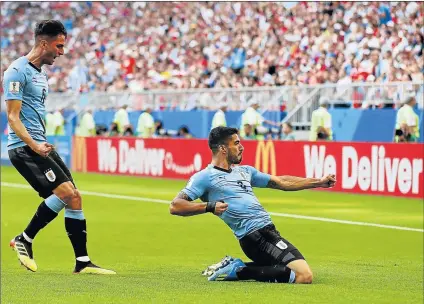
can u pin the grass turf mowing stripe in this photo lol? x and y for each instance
(296, 216)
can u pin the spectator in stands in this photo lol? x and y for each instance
(183, 132)
(146, 124)
(159, 130)
(248, 132)
(121, 119)
(407, 121)
(87, 126)
(218, 119)
(287, 133)
(128, 131)
(321, 122)
(113, 130)
(193, 45)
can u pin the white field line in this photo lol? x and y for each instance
(160, 201)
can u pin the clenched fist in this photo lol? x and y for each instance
(328, 181)
(43, 149)
(220, 208)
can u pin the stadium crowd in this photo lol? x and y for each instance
(114, 46)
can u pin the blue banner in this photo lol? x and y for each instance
(63, 146)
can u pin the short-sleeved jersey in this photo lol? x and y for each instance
(244, 214)
(24, 81)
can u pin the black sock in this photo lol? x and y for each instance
(41, 218)
(77, 233)
(273, 274)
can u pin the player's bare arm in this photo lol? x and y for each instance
(182, 205)
(294, 183)
(13, 111)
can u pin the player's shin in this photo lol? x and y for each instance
(271, 274)
(76, 228)
(46, 212)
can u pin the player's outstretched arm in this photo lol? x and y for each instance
(183, 206)
(13, 111)
(294, 183)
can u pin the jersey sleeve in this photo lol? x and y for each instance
(197, 185)
(13, 84)
(257, 178)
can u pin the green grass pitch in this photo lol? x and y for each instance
(159, 257)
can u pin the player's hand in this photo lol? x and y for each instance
(328, 181)
(43, 149)
(220, 208)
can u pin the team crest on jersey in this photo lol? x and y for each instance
(50, 175)
(14, 87)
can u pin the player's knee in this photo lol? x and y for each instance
(70, 196)
(66, 195)
(305, 277)
(77, 200)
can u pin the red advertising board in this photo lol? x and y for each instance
(374, 168)
(171, 158)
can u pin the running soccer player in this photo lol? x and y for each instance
(226, 191)
(25, 90)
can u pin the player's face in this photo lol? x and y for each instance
(54, 48)
(235, 150)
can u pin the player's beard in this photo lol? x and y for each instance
(235, 159)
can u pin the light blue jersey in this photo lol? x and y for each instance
(244, 214)
(24, 81)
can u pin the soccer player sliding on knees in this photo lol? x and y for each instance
(226, 191)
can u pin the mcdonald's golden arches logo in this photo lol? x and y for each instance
(79, 155)
(265, 157)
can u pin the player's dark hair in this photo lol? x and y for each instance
(220, 136)
(50, 28)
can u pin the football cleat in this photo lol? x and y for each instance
(90, 268)
(212, 268)
(227, 273)
(23, 249)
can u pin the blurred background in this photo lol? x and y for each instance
(183, 61)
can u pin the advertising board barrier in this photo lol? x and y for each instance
(372, 168)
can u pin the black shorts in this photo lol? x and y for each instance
(44, 174)
(266, 247)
